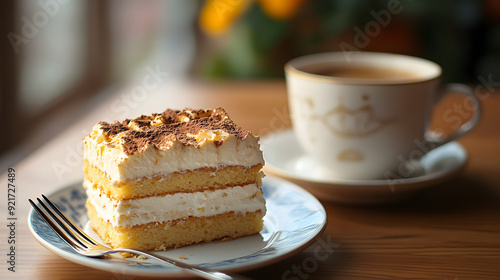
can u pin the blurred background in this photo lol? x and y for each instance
(59, 54)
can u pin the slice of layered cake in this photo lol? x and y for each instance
(173, 179)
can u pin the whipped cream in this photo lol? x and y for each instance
(119, 166)
(131, 212)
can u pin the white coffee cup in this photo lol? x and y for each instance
(366, 115)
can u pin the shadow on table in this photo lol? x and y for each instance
(463, 200)
(304, 265)
(461, 195)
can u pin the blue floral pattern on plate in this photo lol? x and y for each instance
(293, 221)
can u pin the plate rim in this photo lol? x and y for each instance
(131, 270)
(361, 184)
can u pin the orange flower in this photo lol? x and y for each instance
(217, 15)
(281, 9)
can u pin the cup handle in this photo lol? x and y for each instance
(433, 137)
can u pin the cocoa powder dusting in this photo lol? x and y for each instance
(161, 130)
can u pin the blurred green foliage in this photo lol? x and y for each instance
(463, 36)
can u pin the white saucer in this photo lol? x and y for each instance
(294, 220)
(285, 158)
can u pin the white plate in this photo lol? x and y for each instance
(293, 221)
(285, 158)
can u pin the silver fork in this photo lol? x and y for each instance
(85, 245)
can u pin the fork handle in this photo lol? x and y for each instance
(200, 271)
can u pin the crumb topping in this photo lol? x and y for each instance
(190, 127)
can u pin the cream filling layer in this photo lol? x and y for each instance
(131, 212)
(119, 166)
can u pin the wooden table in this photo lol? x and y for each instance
(450, 231)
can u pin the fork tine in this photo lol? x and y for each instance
(69, 223)
(83, 243)
(75, 244)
